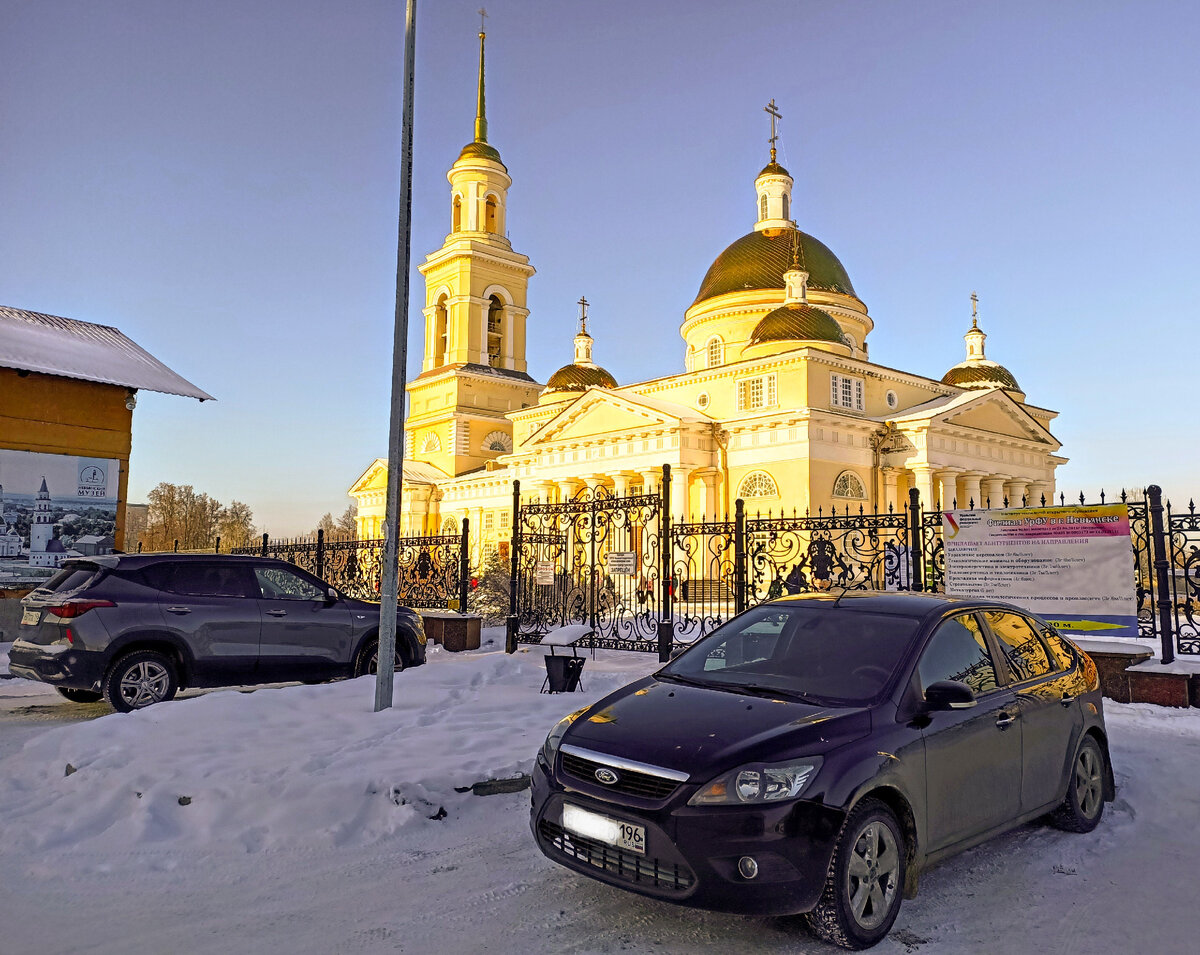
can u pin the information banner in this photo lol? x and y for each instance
(544, 572)
(1071, 565)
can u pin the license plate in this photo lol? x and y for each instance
(613, 832)
(30, 618)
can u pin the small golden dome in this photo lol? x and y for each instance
(579, 378)
(797, 321)
(773, 169)
(478, 150)
(980, 374)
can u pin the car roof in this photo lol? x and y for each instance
(906, 603)
(145, 560)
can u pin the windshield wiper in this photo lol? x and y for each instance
(776, 693)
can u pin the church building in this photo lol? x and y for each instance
(778, 402)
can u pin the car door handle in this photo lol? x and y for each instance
(1005, 720)
(277, 613)
(180, 610)
(1067, 699)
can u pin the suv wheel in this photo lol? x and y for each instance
(368, 659)
(79, 696)
(865, 883)
(139, 679)
(1084, 805)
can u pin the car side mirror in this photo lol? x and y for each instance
(949, 695)
(331, 596)
(677, 651)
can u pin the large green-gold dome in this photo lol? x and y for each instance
(758, 261)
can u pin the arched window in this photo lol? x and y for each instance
(758, 484)
(450, 525)
(785, 205)
(457, 214)
(849, 484)
(489, 214)
(495, 331)
(715, 348)
(762, 206)
(498, 441)
(431, 444)
(439, 333)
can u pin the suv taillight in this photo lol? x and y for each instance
(76, 608)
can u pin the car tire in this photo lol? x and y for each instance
(865, 884)
(367, 663)
(79, 696)
(1084, 803)
(140, 679)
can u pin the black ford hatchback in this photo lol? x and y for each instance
(815, 754)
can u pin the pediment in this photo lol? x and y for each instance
(373, 478)
(599, 412)
(997, 413)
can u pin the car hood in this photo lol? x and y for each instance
(699, 730)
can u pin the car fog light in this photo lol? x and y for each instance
(747, 867)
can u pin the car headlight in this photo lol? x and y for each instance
(759, 783)
(555, 737)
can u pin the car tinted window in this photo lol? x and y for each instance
(958, 651)
(1019, 642)
(71, 578)
(207, 580)
(280, 584)
(815, 651)
(1060, 650)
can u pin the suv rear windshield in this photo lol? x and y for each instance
(824, 654)
(70, 578)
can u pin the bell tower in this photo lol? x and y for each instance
(473, 371)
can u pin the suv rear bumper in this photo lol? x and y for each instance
(75, 669)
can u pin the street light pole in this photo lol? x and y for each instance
(389, 585)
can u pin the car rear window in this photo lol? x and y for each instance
(71, 578)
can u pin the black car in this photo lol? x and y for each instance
(815, 754)
(135, 628)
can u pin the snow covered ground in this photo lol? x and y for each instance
(296, 820)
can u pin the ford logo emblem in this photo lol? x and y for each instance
(607, 776)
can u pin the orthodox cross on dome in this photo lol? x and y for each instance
(773, 111)
(583, 304)
(974, 310)
(482, 25)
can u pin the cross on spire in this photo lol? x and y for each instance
(482, 15)
(583, 304)
(773, 111)
(974, 310)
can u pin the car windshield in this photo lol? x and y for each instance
(70, 578)
(817, 652)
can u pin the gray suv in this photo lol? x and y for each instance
(135, 628)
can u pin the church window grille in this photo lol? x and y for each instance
(715, 352)
(450, 525)
(498, 441)
(762, 206)
(755, 393)
(495, 331)
(785, 205)
(758, 484)
(489, 214)
(846, 392)
(440, 321)
(848, 484)
(431, 444)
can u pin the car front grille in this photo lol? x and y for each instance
(631, 782)
(673, 877)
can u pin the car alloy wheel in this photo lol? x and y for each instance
(1084, 804)
(1089, 784)
(863, 889)
(369, 661)
(140, 679)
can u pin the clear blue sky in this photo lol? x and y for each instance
(219, 180)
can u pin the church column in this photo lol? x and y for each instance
(891, 500)
(946, 489)
(971, 490)
(568, 488)
(1039, 490)
(651, 480)
(1016, 490)
(538, 492)
(710, 505)
(924, 481)
(680, 481)
(622, 480)
(992, 489)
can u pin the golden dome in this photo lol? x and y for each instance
(980, 374)
(478, 150)
(579, 378)
(758, 261)
(773, 169)
(797, 321)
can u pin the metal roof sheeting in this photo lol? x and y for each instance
(31, 341)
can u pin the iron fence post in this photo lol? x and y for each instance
(514, 547)
(915, 542)
(666, 622)
(217, 548)
(739, 555)
(1158, 543)
(321, 552)
(264, 544)
(464, 566)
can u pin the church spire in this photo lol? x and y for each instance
(773, 186)
(481, 102)
(583, 341)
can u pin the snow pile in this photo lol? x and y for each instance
(292, 766)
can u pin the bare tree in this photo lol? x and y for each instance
(177, 513)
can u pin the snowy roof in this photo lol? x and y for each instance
(31, 341)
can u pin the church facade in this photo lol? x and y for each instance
(778, 402)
